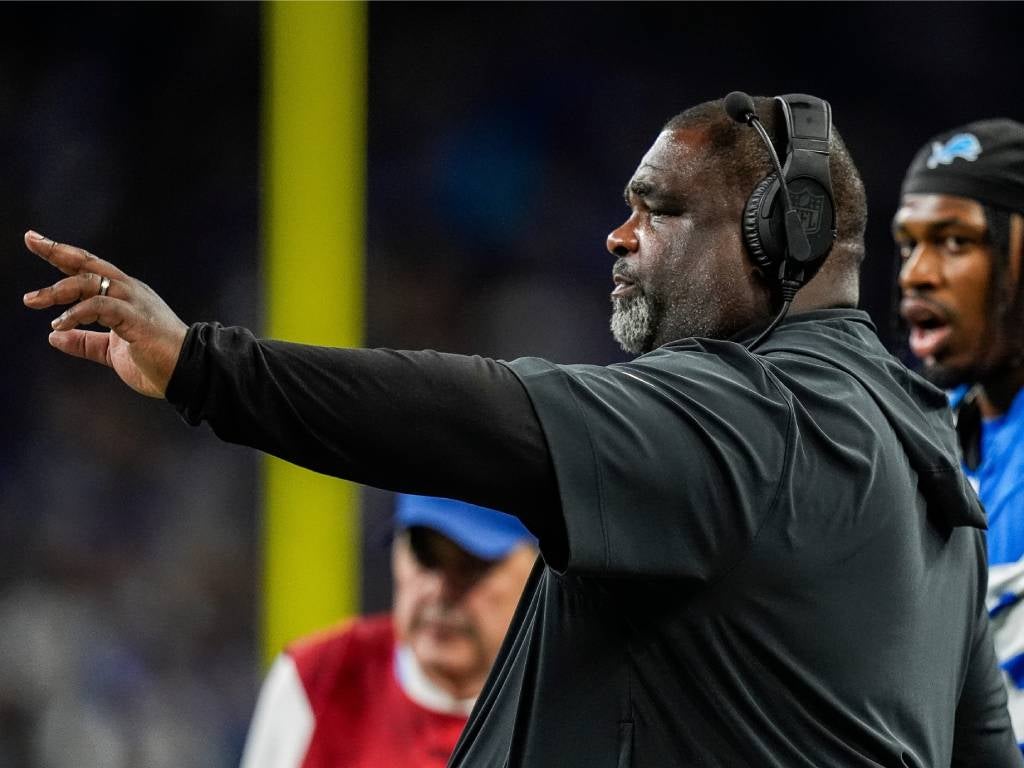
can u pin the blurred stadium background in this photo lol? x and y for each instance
(499, 137)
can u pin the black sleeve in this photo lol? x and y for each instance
(983, 735)
(416, 422)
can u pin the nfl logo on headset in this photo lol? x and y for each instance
(809, 207)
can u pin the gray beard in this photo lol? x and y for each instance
(633, 323)
(637, 321)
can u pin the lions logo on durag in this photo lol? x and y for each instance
(964, 145)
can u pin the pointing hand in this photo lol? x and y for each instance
(145, 336)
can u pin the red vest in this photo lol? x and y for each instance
(363, 718)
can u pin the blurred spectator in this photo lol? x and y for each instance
(397, 689)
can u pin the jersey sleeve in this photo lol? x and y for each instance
(283, 722)
(666, 466)
(422, 422)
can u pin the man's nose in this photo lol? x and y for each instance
(922, 269)
(622, 240)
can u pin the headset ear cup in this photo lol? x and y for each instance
(764, 255)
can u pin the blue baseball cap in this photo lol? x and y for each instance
(486, 533)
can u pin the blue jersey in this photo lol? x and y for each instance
(999, 480)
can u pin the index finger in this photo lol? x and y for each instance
(70, 259)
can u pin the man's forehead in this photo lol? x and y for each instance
(922, 208)
(674, 146)
(674, 155)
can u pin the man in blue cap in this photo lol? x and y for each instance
(396, 689)
(960, 231)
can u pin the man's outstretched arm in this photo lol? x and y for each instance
(422, 422)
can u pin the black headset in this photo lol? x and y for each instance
(789, 220)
